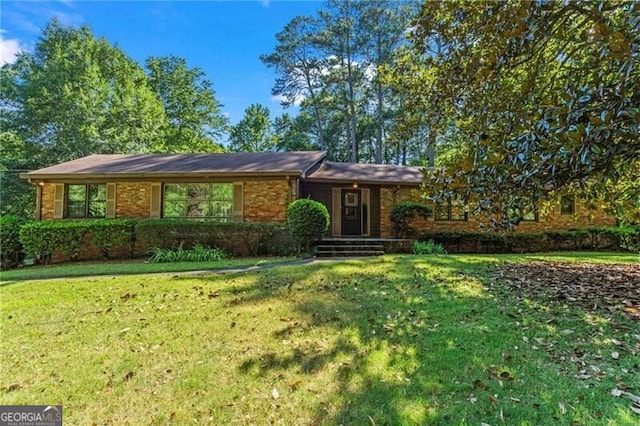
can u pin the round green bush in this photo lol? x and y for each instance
(307, 220)
(10, 247)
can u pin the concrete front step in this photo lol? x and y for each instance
(349, 248)
(373, 247)
(340, 253)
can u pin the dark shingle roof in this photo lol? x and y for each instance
(160, 165)
(367, 173)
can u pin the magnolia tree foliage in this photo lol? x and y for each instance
(546, 96)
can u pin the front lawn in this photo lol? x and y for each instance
(390, 340)
(127, 267)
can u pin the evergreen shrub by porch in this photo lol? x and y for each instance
(308, 221)
(404, 213)
(234, 238)
(10, 247)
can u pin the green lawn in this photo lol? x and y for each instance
(126, 267)
(390, 340)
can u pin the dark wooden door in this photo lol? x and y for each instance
(351, 212)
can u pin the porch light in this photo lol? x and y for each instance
(355, 185)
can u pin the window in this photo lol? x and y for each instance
(523, 210)
(567, 204)
(86, 201)
(451, 209)
(204, 200)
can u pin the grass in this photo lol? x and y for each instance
(390, 340)
(127, 267)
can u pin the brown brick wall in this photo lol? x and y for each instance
(267, 201)
(263, 201)
(133, 200)
(48, 191)
(583, 218)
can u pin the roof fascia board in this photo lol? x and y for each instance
(155, 176)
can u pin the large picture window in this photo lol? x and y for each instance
(86, 201)
(452, 208)
(204, 200)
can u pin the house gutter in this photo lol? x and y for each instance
(36, 178)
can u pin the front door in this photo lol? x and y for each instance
(351, 214)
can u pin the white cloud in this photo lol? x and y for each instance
(9, 50)
(266, 3)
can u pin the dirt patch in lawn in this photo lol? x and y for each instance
(598, 288)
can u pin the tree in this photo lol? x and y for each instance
(289, 136)
(384, 24)
(546, 95)
(73, 96)
(253, 132)
(299, 68)
(77, 95)
(195, 121)
(329, 64)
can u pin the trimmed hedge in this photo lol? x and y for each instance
(237, 239)
(600, 238)
(69, 238)
(10, 247)
(115, 237)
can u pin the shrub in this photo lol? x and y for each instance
(237, 239)
(599, 238)
(307, 220)
(41, 239)
(198, 253)
(110, 234)
(428, 247)
(70, 238)
(10, 246)
(404, 213)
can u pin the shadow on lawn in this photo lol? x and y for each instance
(406, 335)
(408, 341)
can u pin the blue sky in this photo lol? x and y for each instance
(224, 38)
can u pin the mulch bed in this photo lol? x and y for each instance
(597, 288)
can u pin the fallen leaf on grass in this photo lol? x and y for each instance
(275, 394)
(293, 386)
